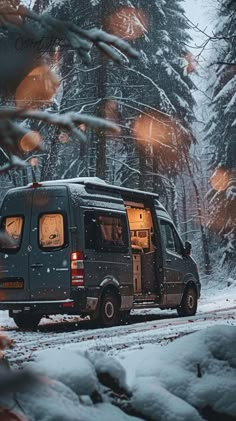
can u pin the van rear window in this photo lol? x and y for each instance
(51, 230)
(104, 231)
(12, 227)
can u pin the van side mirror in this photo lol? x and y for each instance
(188, 248)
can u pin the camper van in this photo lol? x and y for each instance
(82, 246)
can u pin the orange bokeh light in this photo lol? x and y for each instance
(110, 111)
(153, 128)
(37, 88)
(82, 127)
(33, 162)
(30, 141)
(127, 22)
(11, 12)
(190, 63)
(63, 137)
(220, 179)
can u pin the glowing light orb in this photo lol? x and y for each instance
(38, 88)
(63, 137)
(153, 129)
(33, 162)
(11, 12)
(220, 179)
(30, 141)
(127, 22)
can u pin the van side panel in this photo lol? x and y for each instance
(104, 268)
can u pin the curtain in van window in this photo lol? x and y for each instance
(13, 228)
(111, 230)
(105, 231)
(51, 230)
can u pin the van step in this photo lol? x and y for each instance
(145, 297)
(145, 304)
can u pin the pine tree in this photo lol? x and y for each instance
(155, 84)
(221, 132)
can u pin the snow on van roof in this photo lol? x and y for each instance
(78, 180)
(98, 182)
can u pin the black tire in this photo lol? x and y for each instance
(27, 321)
(109, 310)
(188, 305)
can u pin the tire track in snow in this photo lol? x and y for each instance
(111, 340)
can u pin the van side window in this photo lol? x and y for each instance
(51, 230)
(104, 231)
(170, 238)
(13, 228)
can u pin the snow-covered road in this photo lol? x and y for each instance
(145, 327)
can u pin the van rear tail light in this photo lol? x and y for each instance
(77, 268)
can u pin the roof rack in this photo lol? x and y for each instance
(98, 183)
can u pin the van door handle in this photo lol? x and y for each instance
(168, 261)
(36, 265)
(127, 257)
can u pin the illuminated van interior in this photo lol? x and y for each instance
(141, 231)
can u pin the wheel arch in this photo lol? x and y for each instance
(189, 282)
(110, 284)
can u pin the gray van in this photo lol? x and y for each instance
(82, 246)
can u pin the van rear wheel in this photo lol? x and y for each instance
(26, 321)
(188, 306)
(109, 310)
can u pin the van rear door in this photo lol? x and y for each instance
(49, 261)
(14, 251)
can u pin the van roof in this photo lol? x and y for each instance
(96, 183)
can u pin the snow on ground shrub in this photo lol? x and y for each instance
(193, 378)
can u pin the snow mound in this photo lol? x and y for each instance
(193, 378)
(68, 367)
(109, 370)
(199, 370)
(155, 402)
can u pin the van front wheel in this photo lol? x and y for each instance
(188, 306)
(109, 310)
(26, 321)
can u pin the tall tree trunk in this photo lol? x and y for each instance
(184, 204)
(101, 93)
(50, 160)
(205, 247)
(142, 166)
(174, 203)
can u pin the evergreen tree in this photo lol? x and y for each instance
(157, 83)
(221, 132)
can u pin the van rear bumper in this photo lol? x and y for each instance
(47, 307)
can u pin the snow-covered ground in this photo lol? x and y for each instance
(156, 376)
(150, 326)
